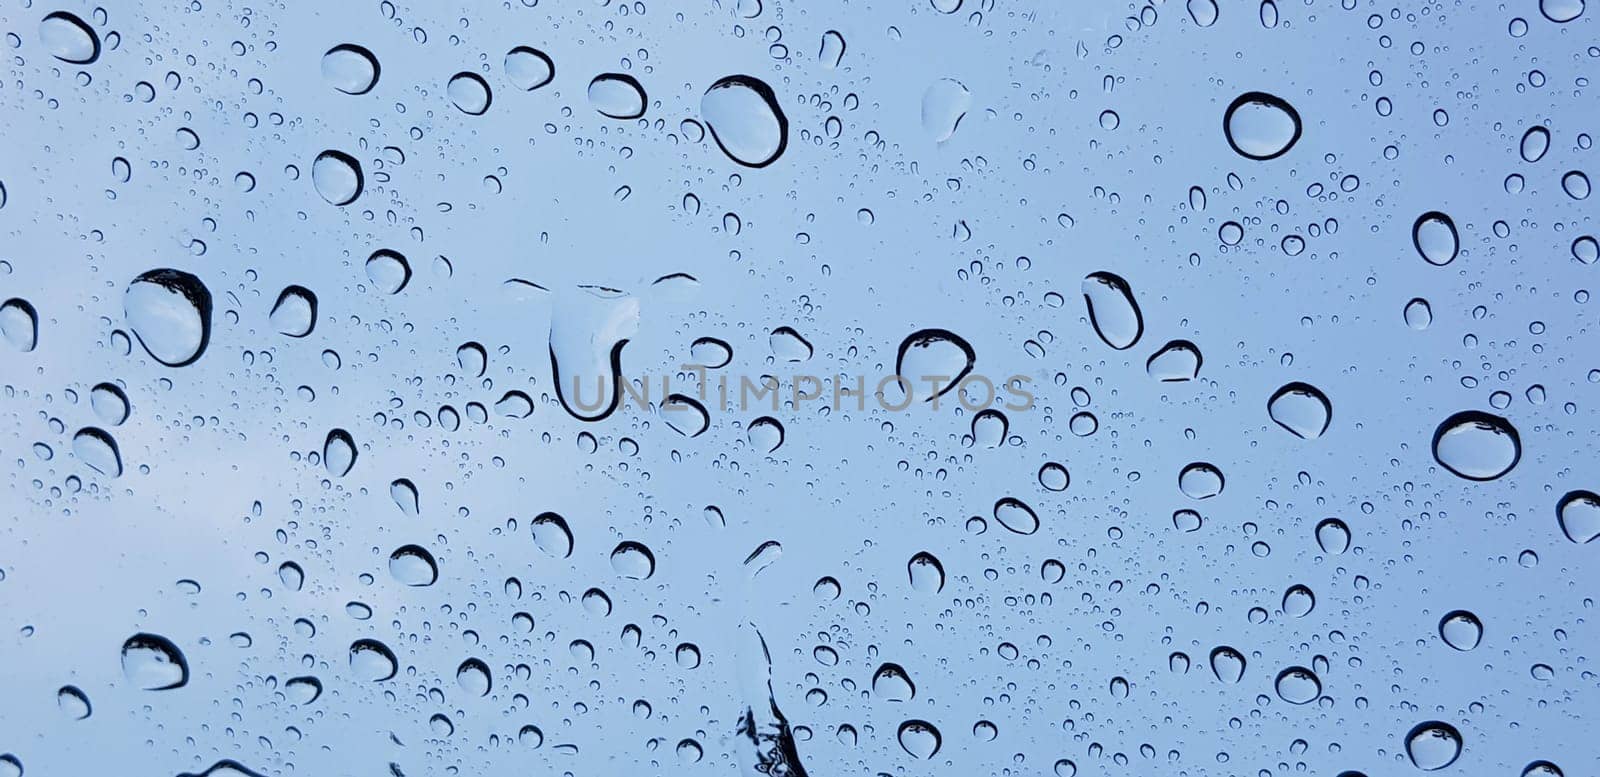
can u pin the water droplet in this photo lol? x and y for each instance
(337, 177)
(891, 683)
(1112, 311)
(686, 415)
(1016, 516)
(617, 96)
(1460, 629)
(1561, 11)
(1200, 480)
(1187, 520)
(766, 434)
(295, 312)
(19, 323)
(1203, 12)
(1298, 601)
(944, 104)
(350, 68)
(1576, 185)
(1177, 361)
(1302, 409)
(473, 676)
(1333, 536)
(1433, 745)
(588, 330)
(94, 447)
(1586, 249)
(1298, 685)
(153, 663)
(633, 560)
(73, 702)
(388, 270)
(170, 312)
(529, 68)
(745, 120)
(469, 93)
(989, 428)
(1054, 477)
(339, 453)
(1476, 445)
(1541, 769)
(372, 661)
(832, 49)
(934, 353)
(1435, 238)
(302, 690)
(413, 565)
(1261, 126)
(927, 574)
(1227, 664)
(1535, 142)
(919, 738)
(68, 38)
(788, 346)
(1578, 512)
(551, 534)
(1418, 314)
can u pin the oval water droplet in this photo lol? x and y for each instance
(528, 68)
(413, 565)
(295, 312)
(1261, 126)
(1418, 314)
(1227, 664)
(1578, 512)
(372, 661)
(1542, 769)
(388, 270)
(19, 324)
(1298, 685)
(337, 177)
(1200, 480)
(153, 663)
(588, 329)
(1302, 409)
(73, 702)
(94, 447)
(1433, 745)
(1461, 630)
(1333, 536)
(989, 428)
(1298, 601)
(1203, 12)
(832, 49)
(1016, 516)
(1576, 184)
(745, 120)
(944, 104)
(685, 414)
(633, 560)
(891, 683)
(1586, 249)
(1113, 313)
(765, 434)
(929, 354)
(69, 38)
(473, 676)
(927, 574)
(1054, 477)
(1435, 238)
(1177, 361)
(551, 534)
(302, 690)
(350, 68)
(339, 453)
(919, 738)
(170, 313)
(469, 93)
(1535, 142)
(1476, 445)
(1561, 11)
(617, 96)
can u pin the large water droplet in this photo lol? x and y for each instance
(617, 96)
(1016, 516)
(1460, 629)
(1433, 745)
(1054, 477)
(302, 690)
(1200, 480)
(1435, 238)
(339, 453)
(413, 565)
(1227, 664)
(1535, 142)
(19, 324)
(94, 447)
(170, 312)
(1298, 685)
(469, 93)
(473, 676)
(891, 683)
(919, 738)
(295, 312)
(1333, 536)
(944, 104)
(337, 177)
(388, 270)
(1112, 310)
(1418, 314)
(225, 768)
(745, 120)
(350, 68)
(551, 534)
(372, 661)
(1476, 445)
(1298, 601)
(152, 662)
(633, 560)
(73, 702)
(927, 574)
(766, 434)
(1578, 512)
(934, 353)
(685, 414)
(1203, 12)
(832, 50)
(1261, 126)
(588, 329)
(1177, 361)
(528, 68)
(1302, 409)
(1561, 11)
(1576, 184)
(68, 38)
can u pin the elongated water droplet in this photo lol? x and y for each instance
(745, 120)
(69, 38)
(1433, 745)
(617, 96)
(1333, 536)
(685, 414)
(73, 702)
(832, 49)
(588, 329)
(1561, 11)
(711, 353)
(551, 534)
(350, 68)
(19, 324)
(1261, 126)
(1016, 516)
(927, 574)
(1203, 12)
(337, 177)
(170, 312)
(1302, 409)
(528, 68)
(1476, 445)
(152, 662)
(473, 676)
(1227, 664)
(1112, 311)
(788, 345)
(225, 768)
(295, 312)
(1418, 314)
(1535, 142)
(339, 453)
(302, 690)
(1435, 238)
